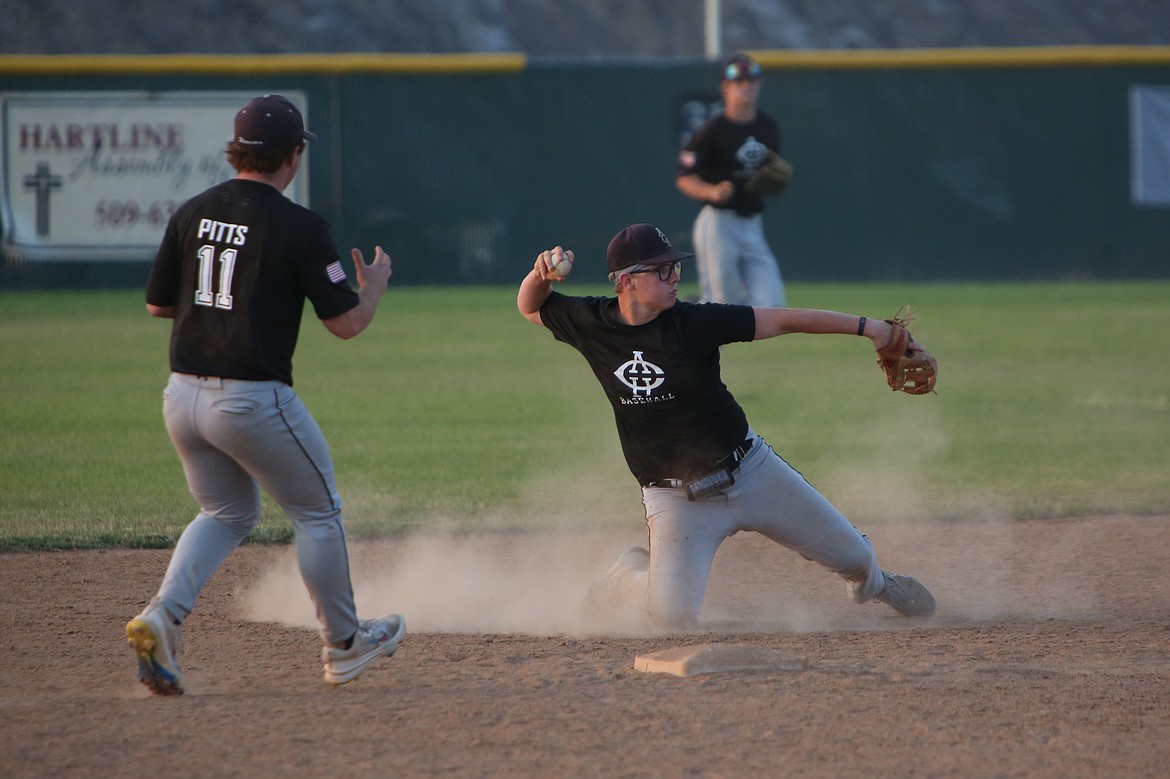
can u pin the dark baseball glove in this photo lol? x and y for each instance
(906, 363)
(771, 177)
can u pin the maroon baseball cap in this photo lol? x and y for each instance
(740, 66)
(640, 244)
(271, 122)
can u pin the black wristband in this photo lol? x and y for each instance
(861, 326)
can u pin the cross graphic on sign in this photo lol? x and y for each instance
(44, 183)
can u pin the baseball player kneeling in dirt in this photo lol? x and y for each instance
(704, 472)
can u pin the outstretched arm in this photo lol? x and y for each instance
(908, 366)
(771, 322)
(372, 280)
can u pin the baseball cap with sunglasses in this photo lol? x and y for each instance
(741, 67)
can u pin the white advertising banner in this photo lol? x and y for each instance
(1149, 108)
(96, 175)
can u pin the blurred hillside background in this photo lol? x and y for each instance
(565, 29)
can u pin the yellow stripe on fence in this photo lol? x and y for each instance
(98, 64)
(1015, 57)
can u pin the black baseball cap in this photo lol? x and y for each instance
(740, 66)
(271, 122)
(640, 244)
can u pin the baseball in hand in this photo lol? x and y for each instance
(560, 264)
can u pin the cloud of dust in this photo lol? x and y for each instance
(530, 583)
(534, 582)
(575, 516)
(501, 580)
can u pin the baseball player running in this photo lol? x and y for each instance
(234, 269)
(705, 474)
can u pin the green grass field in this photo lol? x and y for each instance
(452, 413)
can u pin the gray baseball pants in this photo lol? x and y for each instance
(734, 261)
(769, 497)
(236, 438)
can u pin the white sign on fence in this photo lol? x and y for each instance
(96, 175)
(1149, 118)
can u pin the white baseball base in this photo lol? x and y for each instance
(717, 658)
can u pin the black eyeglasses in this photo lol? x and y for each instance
(664, 271)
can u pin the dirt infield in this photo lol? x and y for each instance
(1049, 657)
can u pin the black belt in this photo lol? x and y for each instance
(730, 462)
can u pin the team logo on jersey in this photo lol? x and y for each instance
(640, 376)
(751, 154)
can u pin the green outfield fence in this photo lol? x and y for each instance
(933, 165)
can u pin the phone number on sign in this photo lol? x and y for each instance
(128, 213)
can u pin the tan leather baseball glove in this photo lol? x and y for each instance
(908, 366)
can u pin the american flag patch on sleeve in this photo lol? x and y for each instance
(336, 272)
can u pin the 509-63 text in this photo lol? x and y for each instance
(128, 213)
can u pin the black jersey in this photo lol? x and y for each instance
(238, 261)
(675, 417)
(723, 150)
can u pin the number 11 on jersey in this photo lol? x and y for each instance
(204, 291)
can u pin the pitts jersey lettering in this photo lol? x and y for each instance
(222, 232)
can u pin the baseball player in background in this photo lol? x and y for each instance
(234, 270)
(705, 474)
(735, 263)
